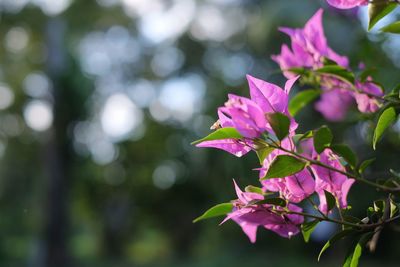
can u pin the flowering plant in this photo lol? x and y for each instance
(298, 169)
(377, 9)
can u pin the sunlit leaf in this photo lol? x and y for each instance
(346, 153)
(283, 166)
(254, 189)
(339, 72)
(379, 206)
(299, 137)
(307, 228)
(384, 121)
(280, 123)
(262, 153)
(301, 100)
(330, 200)
(322, 139)
(377, 11)
(392, 28)
(223, 133)
(394, 209)
(338, 236)
(354, 255)
(365, 165)
(218, 210)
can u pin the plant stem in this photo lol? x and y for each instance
(316, 207)
(348, 174)
(340, 215)
(352, 86)
(344, 223)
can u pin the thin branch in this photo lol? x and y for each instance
(361, 226)
(316, 207)
(372, 244)
(353, 88)
(348, 174)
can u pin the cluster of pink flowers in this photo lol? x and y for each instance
(346, 4)
(253, 119)
(248, 117)
(309, 49)
(250, 216)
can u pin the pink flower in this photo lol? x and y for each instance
(367, 99)
(345, 4)
(299, 186)
(332, 181)
(309, 47)
(237, 147)
(246, 116)
(287, 60)
(334, 104)
(286, 143)
(340, 192)
(271, 98)
(294, 188)
(234, 146)
(249, 216)
(286, 225)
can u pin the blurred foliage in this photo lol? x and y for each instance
(65, 202)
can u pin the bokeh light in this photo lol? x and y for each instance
(38, 115)
(120, 116)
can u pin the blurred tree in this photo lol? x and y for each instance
(80, 193)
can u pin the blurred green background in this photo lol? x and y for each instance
(99, 101)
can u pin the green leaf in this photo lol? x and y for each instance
(262, 153)
(345, 152)
(218, 210)
(365, 164)
(377, 11)
(351, 219)
(330, 200)
(366, 73)
(327, 62)
(379, 206)
(384, 121)
(300, 100)
(339, 72)
(354, 255)
(222, 133)
(299, 137)
(280, 123)
(396, 90)
(307, 229)
(391, 182)
(254, 189)
(372, 214)
(283, 166)
(394, 209)
(307, 135)
(322, 139)
(276, 201)
(338, 236)
(392, 28)
(300, 71)
(395, 173)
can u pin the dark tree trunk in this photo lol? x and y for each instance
(57, 154)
